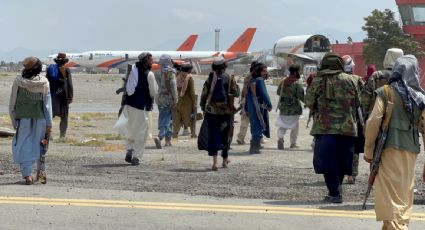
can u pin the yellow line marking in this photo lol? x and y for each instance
(194, 207)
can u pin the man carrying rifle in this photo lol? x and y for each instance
(217, 103)
(141, 88)
(258, 106)
(333, 96)
(396, 158)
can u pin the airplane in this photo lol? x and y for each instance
(307, 48)
(75, 58)
(118, 59)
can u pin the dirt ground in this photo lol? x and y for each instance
(92, 156)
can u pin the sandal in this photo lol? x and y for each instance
(214, 168)
(41, 176)
(29, 180)
(225, 163)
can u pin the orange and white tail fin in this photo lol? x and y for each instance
(243, 42)
(188, 44)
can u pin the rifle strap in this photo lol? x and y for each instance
(389, 96)
(212, 87)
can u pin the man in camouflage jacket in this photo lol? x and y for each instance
(291, 94)
(333, 96)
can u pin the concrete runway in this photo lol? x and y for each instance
(46, 207)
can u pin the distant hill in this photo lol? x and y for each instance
(18, 54)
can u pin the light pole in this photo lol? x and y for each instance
(217, 39)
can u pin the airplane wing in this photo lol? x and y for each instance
(301, 56)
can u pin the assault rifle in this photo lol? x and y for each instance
(123, 90)
(379, 147)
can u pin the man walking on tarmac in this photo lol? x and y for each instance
(395, 179)
(166, 100)
(333, 96)
(61, 90)
(141, 89)
(244, 113)
(291, 94)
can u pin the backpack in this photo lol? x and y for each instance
(53, 71)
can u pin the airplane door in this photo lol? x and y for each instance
(91, 56)
(126, 57)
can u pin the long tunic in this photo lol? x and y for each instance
(395, 180)
(29, 133)
(264, 103)
(186, 103)
(62, 91)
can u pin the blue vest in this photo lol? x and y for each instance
(141, 99)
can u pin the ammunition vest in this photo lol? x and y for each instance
(28, 104)
(403, 131)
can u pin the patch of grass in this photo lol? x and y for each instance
(92, 116)
(65, 140)
(112, 148)
(5, 120)
(106, 136)
(93, 143)
(85, 143)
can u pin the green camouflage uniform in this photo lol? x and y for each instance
(220, 108)
(368, 95)
(290, 98)
(333, 98)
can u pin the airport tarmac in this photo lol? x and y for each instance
(89, 165)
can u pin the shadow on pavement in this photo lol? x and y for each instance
(419, 202)
(190, 170)
(243, 153)
(96, 166)
(13, 183)
(309, 184)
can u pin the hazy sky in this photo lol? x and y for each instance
(150, 25)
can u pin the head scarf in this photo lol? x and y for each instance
(405, 80)
(30, 78)
(166, 63)
(371, 68)
(332, 64)
(391, 56)
(183, 77)
(348, 63)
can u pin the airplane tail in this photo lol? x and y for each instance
(188, 44)
(243, 42)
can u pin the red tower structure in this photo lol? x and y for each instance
(412, 14)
